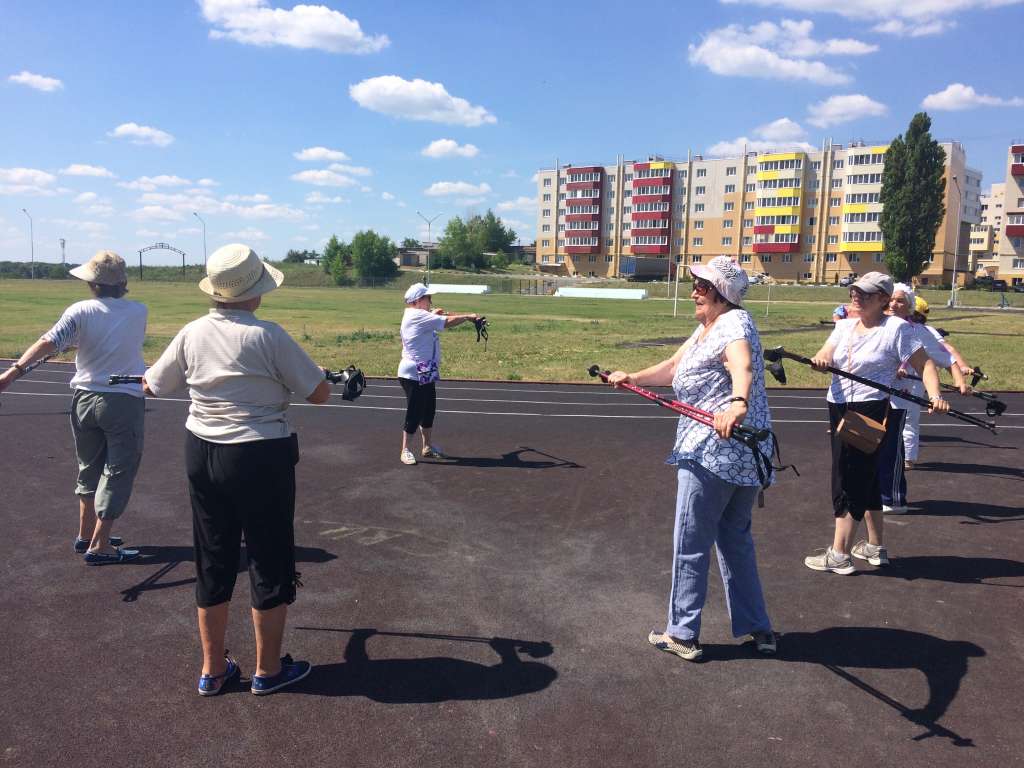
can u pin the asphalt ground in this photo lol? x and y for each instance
(519, 581)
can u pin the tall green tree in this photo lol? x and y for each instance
(465, 244)
(912, 198)
(337, 261)
(410, 243)
(455, 249)
(373, 255)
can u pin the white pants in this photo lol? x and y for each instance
(912, 433)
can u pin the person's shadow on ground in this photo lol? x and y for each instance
(512, 459)
(169, 558)
(952, 569)
(976, 513)
(431, 679)
(838, 649)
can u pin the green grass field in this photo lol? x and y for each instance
(533, 338)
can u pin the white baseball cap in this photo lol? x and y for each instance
(726, 275)
(234, 273)
(105, 268)
(417, 291)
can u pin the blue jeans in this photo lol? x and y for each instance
(710, 511)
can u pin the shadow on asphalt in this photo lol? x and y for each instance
(839, 649)
(952, 569)
(431, 679)
(512, 459)
(975, 512)
(170, 558)
(968, 469)
(963, 441)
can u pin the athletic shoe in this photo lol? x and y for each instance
(898, 510)
(830, 561)
(291, 672)
(102, 558)
(765, 643)
(211, 685)
(907, 466)
(82, 545)
(407, 457)
(873, 553)
(430, 452)
(684, 649)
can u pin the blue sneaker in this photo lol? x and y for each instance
(82, 545)
(291, 672)
(211, 685)
(102, 558)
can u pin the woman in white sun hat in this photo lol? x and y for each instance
(419, 369)
(240, 457)
(720, 368)
(107, 422)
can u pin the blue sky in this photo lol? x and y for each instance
(282, 125)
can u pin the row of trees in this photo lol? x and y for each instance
(368, 256)
(478, 243)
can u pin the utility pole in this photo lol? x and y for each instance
(429, 222)
(63, 260)
(32, 242)
(194, 213)
(956, 251)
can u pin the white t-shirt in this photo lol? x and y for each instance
(421, 348)
(109, 334)
(240, 372)
(876, 355)
(931, 339)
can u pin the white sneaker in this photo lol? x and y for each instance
(901, 510)
(830, 561)
(875, 554)
(407, 457)
(684, 649)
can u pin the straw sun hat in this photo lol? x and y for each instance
(234, 273)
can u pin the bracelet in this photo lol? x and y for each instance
(739, 399)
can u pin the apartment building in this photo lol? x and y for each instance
(985, 235)
(1011, 239)
(794, 215)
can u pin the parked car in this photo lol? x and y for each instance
(849, 279)
(1018, 288)
(997, 285)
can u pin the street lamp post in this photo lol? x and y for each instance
(32, 242)
(63, 258)
(429, 222)
(194, 213)
(956, 251)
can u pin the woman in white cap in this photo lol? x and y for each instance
(720, 368)
(107, 422)
(419, 369)
(240, 457)
(874, 346)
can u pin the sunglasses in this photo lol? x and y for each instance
(701, 286)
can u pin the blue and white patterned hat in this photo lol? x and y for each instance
(726, 275)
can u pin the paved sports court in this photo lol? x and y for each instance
(511, 591)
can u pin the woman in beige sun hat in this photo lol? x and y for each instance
(107, 422)
(240, 457)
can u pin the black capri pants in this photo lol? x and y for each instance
(855, 475)
(420, 404)
(243, 489)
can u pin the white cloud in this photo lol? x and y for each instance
(319, 197)
(146, 233)
(150, 183)
(320, 154)
(446, 188)
(843, 109)
(351, 170)
(185, 204)
(80, 169)
(780, 51)
(85, 197)
(449, 148)
(255, 22)
(26, 181)
(38, 82)
(386, 196)
(522, 203)
(257, 198)
(310, 227)
(365, 189)
(782, 129)
(102, 209)
(323, 178)
(207, 183)
(247, 235)
(912, 18)
(156, 213)
(778, 134)
(536, 177)
(469, 202)
(417, 100)
(510, 174)
(142, 134)
(957, 96)
(401, 204)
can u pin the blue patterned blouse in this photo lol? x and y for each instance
(701, 380)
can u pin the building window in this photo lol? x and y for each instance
(698, 224)
(808, 258)
(545, 228)
(726, 241)
(812, 239)
(628, 177)
(730, 188)
(607, 242)
(831, 258)
(807, 276)
(816, 165)
(745, 258)
(561, 243)
(547, 182)
(766, 258)
(787, 258)
(696, 259)
(547, 197)
(611, 178)
(748, 240)
(546, 243)
(854, 258)
(592, 258)
(698, 207)
(698, 242)
(699, 191)
(545, 259)
(833, 239)
(837, 164)
(559, 258)
(608, 259)
(835, 201)
(546, 213)
(702, 172)
(836, 183)
(879, 257)
(730, 170)
(833, 220)
(749, 187)
(748, 222)
(727, 224)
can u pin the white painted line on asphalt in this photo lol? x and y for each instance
(938, 425)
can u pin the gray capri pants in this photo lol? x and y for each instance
(108, 428)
